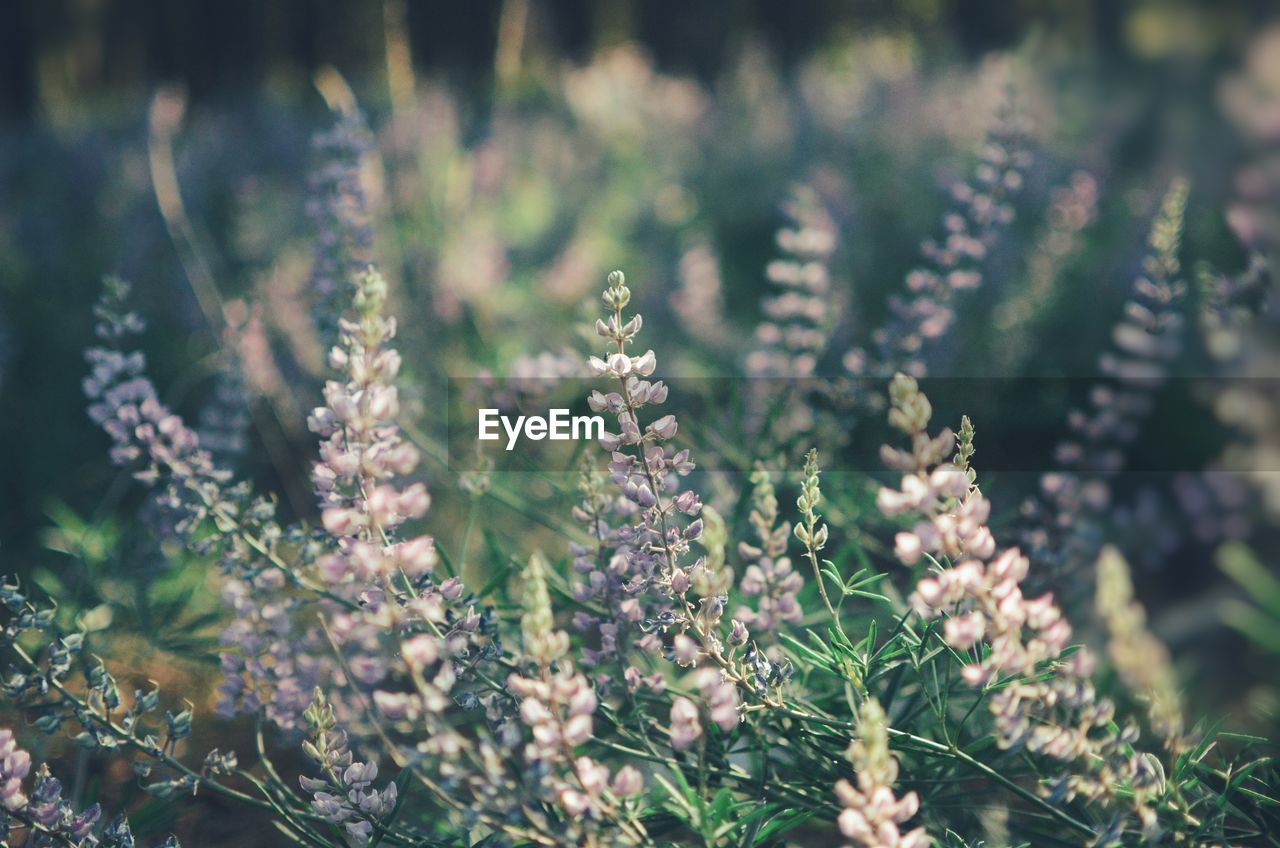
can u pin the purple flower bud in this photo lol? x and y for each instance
(359, 831)
(312, 785)
(451, 589)
(688, 502)
(360, 774)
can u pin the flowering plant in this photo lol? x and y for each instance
(742, 652)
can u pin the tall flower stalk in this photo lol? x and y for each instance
(656, 543)
(1041, 697)
(872, 814)
(1144, 344)
(769, 577)
(924, 316)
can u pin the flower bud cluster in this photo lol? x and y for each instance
(1237, 333)
(1144, 342)
(1139, 658)
(711, 575)
(811, 531)
(338, 209)
(557, 709)
(981, 591)
(434, 624)
(922, 317)
(1048, 706)
(542, 642)
(797, 319)
(770, 577)
(603, 576)
(362, 448)
(1218, 505)
(797, 322)
(660, 520)
(872, 814)
(952, 513)
(698, 302)
(345, 794)
(50, 819)
(722, 708)
(264, 659)
(268, 667)
(15, 765)
(1074, 502)
(557, 705)
(123, 401)
(1073, 207)
(650, 541)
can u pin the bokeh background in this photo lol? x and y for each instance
(519, 150)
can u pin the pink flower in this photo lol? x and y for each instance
(664, 428)
(421, 651)
(907, 548)
(685, 726)
(963, 632)
(644, 365)
(628, 782)
(685, 650)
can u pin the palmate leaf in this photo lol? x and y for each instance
(856, 584)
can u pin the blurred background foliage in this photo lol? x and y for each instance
(521, 149)
(504, 126)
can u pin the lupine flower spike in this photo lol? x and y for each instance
(872, 815)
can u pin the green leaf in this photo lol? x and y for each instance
(822, 655)
(783, 822)
(1239, 563)
(497, 580)
(1258, 796)
(1243, 774)
(682, 798)
(833, 575)
(445, 561)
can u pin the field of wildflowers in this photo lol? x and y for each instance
(936, 503)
